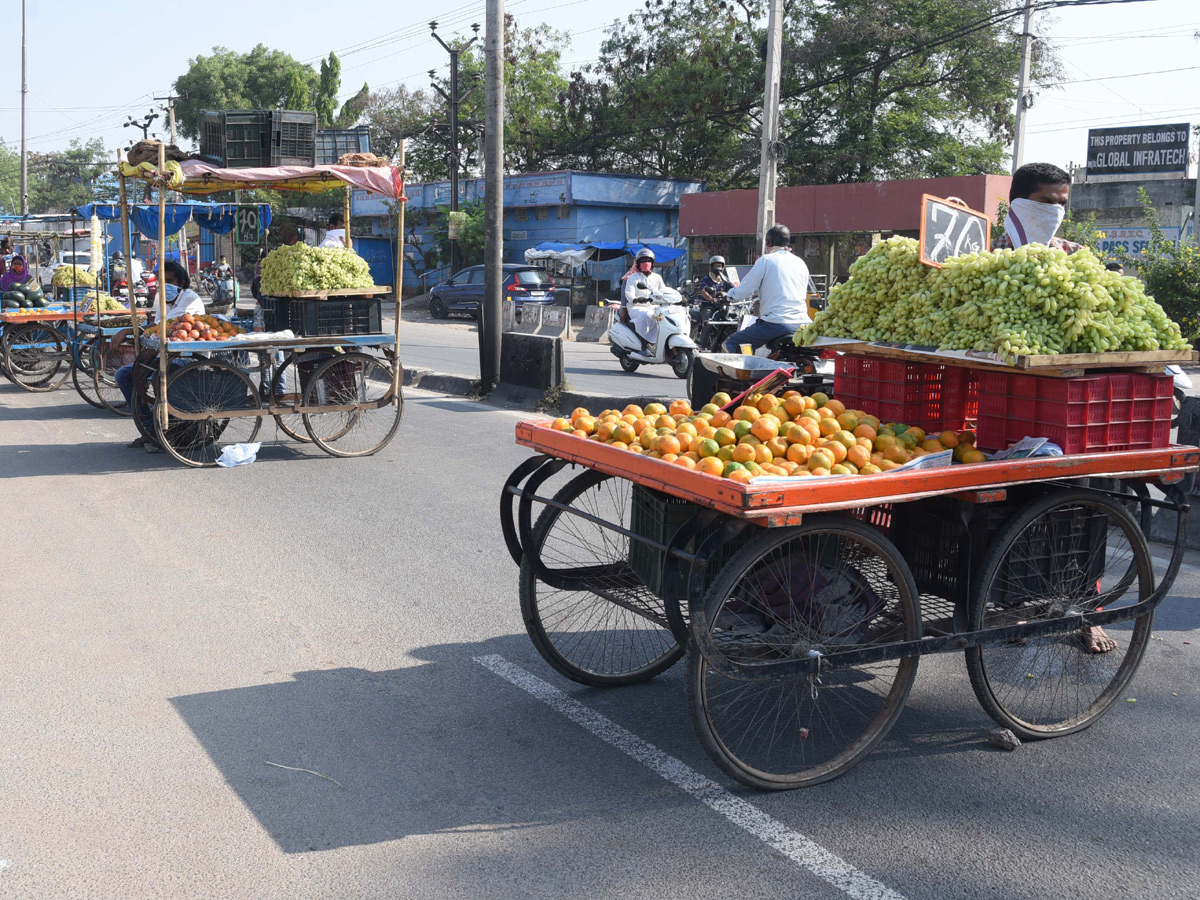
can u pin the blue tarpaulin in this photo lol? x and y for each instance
(602, 251)
(216, 217)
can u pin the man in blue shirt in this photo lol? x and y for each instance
(780, 278)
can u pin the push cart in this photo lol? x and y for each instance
(803, 606)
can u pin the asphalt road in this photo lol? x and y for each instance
(309, 678)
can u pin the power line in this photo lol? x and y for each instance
(1117, 77)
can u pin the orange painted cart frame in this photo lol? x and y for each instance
(808, 589)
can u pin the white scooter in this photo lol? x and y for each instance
(665, 321)
(1183, 386)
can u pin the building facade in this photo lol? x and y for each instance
(564, 206)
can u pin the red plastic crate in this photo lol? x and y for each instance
(928, 395)
(1153, 387)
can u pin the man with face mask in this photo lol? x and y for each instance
(642, 273)
(1037, 205)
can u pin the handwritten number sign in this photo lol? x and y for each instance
(248, 227)
(949, 228)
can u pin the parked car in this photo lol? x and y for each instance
(78, 258)
(463, 292)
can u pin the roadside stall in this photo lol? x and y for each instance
(323, 368)
(802, 553)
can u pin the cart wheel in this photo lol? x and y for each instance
(681, 363)
(360, 381)
(211, 388)
(1066, 553)
(610, 630)
(105, 360)
(81, 375)
(37, 356)
(830, 584)
(286, 387)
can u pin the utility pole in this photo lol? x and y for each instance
(768, 173)
(24, 111)
(490, 328)
(183, 252)
(1024, 96)
(453, 100)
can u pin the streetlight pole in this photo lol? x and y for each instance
(490, 328)
(453, 99)
(768, 175)
(24, 113)
(1024, 97)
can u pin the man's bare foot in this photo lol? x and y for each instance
(1096, 641)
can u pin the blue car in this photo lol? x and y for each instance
(463, 292)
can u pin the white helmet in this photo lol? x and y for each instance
(713, 260)
(644, 253)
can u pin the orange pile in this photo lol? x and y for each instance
(790, 435)
(200, 328)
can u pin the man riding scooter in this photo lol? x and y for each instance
(780, 278)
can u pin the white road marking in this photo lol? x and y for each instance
(795, 846)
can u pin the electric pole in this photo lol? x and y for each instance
(1024, 96)
(171, 98)
(24, 109)
(453, 100)
(768, 175)
(490, 328)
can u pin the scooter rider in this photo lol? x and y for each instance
(780, 278)
(715, 282)
(643, 273)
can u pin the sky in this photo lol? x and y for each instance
(83, 84)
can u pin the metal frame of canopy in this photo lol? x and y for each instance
(208, 180)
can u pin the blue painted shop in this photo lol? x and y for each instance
(564, 207)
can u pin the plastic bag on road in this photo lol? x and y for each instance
(238, 454)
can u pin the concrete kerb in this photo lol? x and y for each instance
(597, 321)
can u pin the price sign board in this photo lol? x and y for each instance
(248, 225)
(949, 228)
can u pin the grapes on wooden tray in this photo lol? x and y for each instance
(303, 268)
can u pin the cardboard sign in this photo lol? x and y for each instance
(950, 228)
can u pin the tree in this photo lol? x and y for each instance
(395, 114)
(67, 178)
(10, 180)
(260, 79)
(470, 234)
(352, 110)
(328, 85)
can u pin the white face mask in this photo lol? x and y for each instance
(1031, 222)
(172, 291)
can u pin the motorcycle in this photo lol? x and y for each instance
(670, 343)
(721, 321)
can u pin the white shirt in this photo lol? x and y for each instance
(334, 237)
(134, 270)
(780, 278)
(631, 293)
(187, 301)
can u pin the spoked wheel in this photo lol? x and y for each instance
(81, 374)
(1067, 553)
(607, 628)
(37, 356)
(681, 363)
(830, 584)
(366, 413)
(287, 389)
(106, 358)
(214, 390)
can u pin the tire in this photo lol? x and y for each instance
(581, 634)
(103, 367)
(628, 364)
(437, 308)
(1054, 556)
(81, 374)
(287, 385)
(37, 356)
(796, 731)
(358, 380)
(208, 387)
(681, 362)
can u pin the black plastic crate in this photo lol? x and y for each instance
(356, 315)
(293, 138)
(236, 138)
(275, 313)
(334, 143)
(1062, 554)
(658, 516)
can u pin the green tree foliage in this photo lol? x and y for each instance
(352, 110)
(1170, 271)
(328, 85)
(10, 180)
(395, 114)
(66, 178)
(872, 89)
(226, 79)
(470, 234)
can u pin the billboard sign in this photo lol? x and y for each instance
(1129, 240)
(1138, 150)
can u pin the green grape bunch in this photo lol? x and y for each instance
(303, 268)
(1033, 300)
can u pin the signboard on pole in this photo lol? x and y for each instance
(950, 228)
(248, 225)
(1138, 150)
